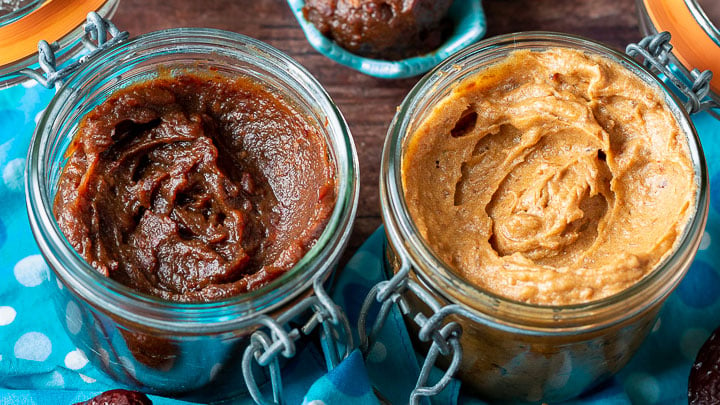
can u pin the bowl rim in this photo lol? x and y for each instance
(471, 25)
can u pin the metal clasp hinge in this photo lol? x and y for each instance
(265, 348)
(445, 336)
(96, 29)
(654, 53)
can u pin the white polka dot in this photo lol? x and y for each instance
(7, 315)
(87, 379)
(316, 402)
(656, 327)
(691, 341)
(643, 388)
(33, 346)
(30, 83)
(56, 380)
(75, 360)
(562, 374)
(31, 271)
(73, 317)
(705, 241)
(378, 353)
(13, 174)
(38, 115)
(128, 366)
(215, 370)
(104, 357)
(59, 283)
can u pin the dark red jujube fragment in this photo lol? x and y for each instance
(704, 381)
(118, 397)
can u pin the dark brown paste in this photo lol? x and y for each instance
(195, 188)
(119, 397)
(382, 29)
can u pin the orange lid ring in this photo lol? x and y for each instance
(692, 45)
(51, 21)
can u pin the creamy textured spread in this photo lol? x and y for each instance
(553, 177)
(195, 188)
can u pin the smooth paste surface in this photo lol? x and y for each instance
(552, 177)
(195, 188)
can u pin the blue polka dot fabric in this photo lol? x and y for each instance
(39, 364)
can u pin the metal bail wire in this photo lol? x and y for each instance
(265, 348)
(654, 53)
(444, 336)
(96, 29)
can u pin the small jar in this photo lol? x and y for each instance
(52, 21)
(145, 342)
(513, 350)
(695, 29)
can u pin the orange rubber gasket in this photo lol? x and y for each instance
(691, 44)
(53, 20)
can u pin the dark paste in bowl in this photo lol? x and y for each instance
(382, 29)
(195, 188)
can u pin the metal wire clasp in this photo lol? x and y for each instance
(445, 336)
(96, 29)
(654, 52)
(274, 338)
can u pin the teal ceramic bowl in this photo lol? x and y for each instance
(469, 25)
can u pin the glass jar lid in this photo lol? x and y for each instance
(695, 33)
(24, 23)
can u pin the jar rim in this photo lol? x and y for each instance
(407, 241)
(20, 12)
(702, 18)
(222, 315)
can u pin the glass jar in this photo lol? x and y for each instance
(145, 342)
(52, 21)
(695, 34)
(513, 350)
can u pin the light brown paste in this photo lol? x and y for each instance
(553, 177)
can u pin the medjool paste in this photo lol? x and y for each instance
(381, 29)
(119, 397)
(195, 188)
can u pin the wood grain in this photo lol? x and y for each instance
(369, 104)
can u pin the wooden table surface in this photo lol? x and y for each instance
(367, 103)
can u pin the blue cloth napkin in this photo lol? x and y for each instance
(40, 365)
(348, 384)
